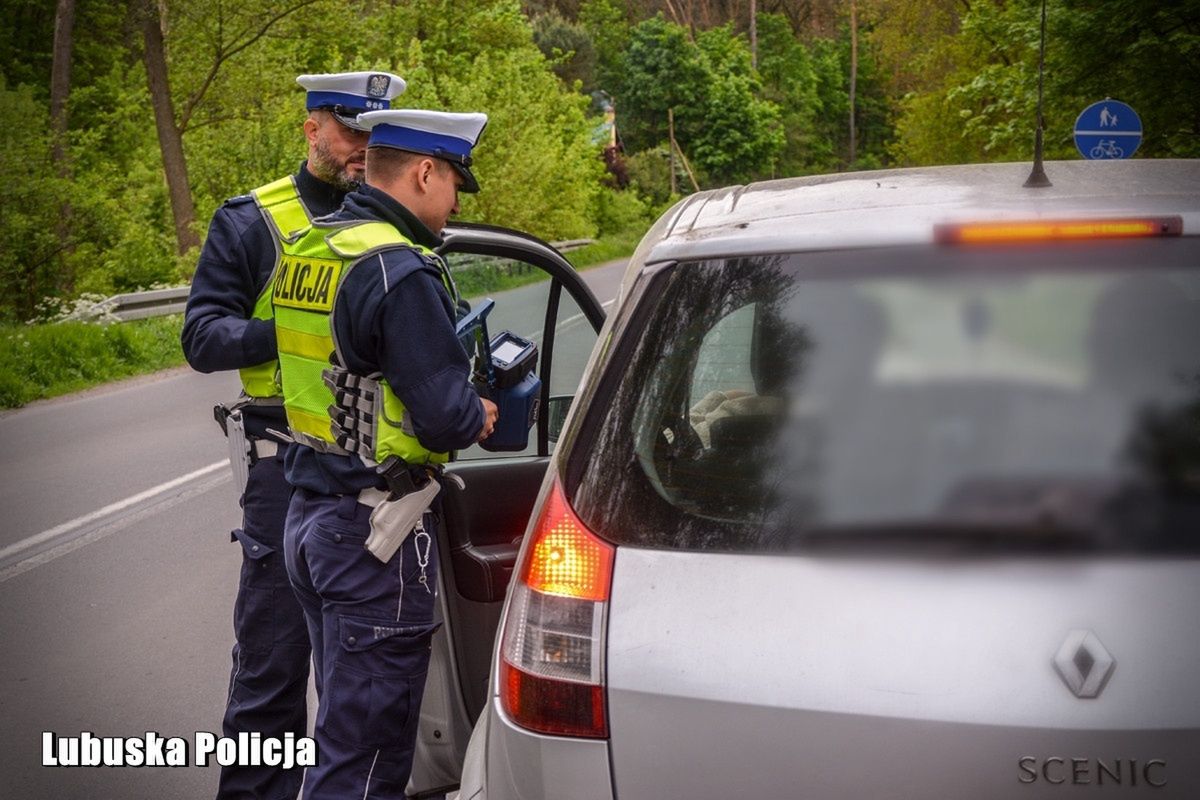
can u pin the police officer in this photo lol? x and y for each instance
(377, 390)
(227, 326)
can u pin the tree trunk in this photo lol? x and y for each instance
(853, 77)
(60, 83)
(60, 90)
(754, 33)
(671, 145)
(170, 140)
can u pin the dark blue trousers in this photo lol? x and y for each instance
(268, 686)
(371, 625)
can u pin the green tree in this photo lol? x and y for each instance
(663, 70)
(607, 23)
(29, 246)
(225, 30)
(831, 62)
(985, 107)
(736, 135)
(977, 97)
(537, 165)
(721, 123)
(912, 40)
(568, 48)
(790, 80)
(1145, 54)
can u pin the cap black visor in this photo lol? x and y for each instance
(469, 185)
(346, 115)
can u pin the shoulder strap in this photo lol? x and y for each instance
(355, 241)
(282, 207)
(358, 240)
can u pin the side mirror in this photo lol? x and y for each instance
(556, 414)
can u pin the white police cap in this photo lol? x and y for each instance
(442, 134)
(348, 94)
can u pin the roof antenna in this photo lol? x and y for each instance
(1037, 176)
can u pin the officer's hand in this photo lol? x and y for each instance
(490, 414)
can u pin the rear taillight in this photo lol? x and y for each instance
(552, 655)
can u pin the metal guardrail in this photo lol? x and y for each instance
(142, 305)
(161, 302)
(571, 244)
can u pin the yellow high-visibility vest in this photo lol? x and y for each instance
(310, 273)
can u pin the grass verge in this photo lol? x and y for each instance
(607, 248)
(40, 361)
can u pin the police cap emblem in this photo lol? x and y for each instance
(377, 85)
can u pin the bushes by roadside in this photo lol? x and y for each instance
(39, 361)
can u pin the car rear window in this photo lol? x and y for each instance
(1019, 396)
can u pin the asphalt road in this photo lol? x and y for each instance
(116, 571)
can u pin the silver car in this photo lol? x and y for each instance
(882, 484)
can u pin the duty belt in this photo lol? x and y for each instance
(244, 450)
(403, 479)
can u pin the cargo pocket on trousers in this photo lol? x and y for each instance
(255, 567)
(374, 689)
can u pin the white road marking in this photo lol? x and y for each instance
(13, 555)
(537, 335)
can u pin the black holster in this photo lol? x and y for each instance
(402, 478)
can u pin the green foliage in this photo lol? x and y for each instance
(607, 24)
(650, 174)
(609, 247)
(27, 39)
(29, 247)
(39, 361)
(985, 106)
(980, 102)
(569, 49)
(831, 62)
(728, 132)
(913, 41)
(537, 166)
(1145, 54)
(790, 80)
(537, 152)
(663, 70)
(735, 134)
(618, 211)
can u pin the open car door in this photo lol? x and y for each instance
(483, 523)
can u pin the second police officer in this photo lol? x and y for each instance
(228, 325)
(363, 291)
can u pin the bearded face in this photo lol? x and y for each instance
(336, 154)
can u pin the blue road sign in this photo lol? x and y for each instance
(1108, 129)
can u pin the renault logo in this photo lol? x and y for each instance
(1083, 663)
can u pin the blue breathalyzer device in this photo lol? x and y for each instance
(504, 374)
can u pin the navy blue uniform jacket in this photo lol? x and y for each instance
(235, 264)
(393, 315)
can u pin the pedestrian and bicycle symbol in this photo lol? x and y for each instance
(1108, 129)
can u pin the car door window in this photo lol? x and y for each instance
(568, 339)
(574, 338)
